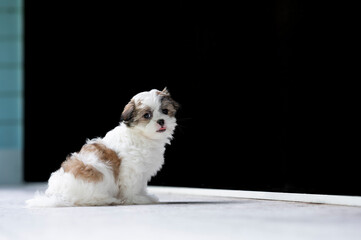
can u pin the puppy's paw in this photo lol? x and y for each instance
(153, 198)
(145, 199)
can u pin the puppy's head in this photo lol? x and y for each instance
(152, 114)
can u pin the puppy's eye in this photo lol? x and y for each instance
(165, 111)
(147, 115)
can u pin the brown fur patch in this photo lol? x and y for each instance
(107, 155)
(168, 103)
(133, 113)
(139, 115)
(128, 113)
(80, 170)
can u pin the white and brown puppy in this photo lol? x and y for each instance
(116, 169)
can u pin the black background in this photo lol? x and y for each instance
(261, 85)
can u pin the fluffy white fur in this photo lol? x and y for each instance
(139, 145)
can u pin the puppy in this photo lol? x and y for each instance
(115, 169)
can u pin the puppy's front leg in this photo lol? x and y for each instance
(143, 197)
(135, 191)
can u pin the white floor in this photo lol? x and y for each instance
(177, 217)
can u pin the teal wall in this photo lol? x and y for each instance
(11, 91)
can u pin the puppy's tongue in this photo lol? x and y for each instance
(162, 128)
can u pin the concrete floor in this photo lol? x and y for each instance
(177, 217)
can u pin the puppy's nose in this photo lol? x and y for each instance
(161, 122)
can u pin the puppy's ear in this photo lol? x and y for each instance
(165, 92)
(128, 113)
(176, 105)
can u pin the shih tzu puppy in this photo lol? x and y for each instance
(115, 169)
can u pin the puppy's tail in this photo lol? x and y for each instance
(42, 200)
